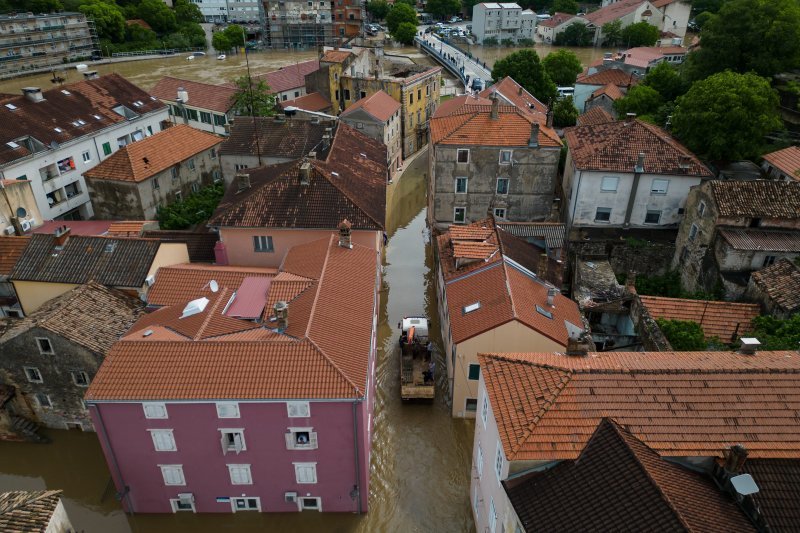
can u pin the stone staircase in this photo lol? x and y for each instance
(27, 428)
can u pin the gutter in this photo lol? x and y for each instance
(357, 486)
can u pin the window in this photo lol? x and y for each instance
(471, 405)
(213, 153)
(492, 516)
(603, 214)
(284, 97)
(240, 474)
(191, 164)
(122, 141)
(33, 374)
(301, 439)
(232, 440)
(768, 260)
(462, 156)
(347, 94)
(45, 348)
(305, 472)
(205, 117)
(485, 410)
(195, 187)
(502, 186)
(87, 156)
(138, 135)
(192, 114)
(220, 120)
(227, 410)
(173, 474)
(479, 461)
(163, 440)
(500, 213)
(246, 504)
(43, 400)
(174, 172)
(178, 196)
(652, 217)
(659, 186)
(150, 130)
(460, 215)
(80, 378)
(238, 167)
(262, 243)
(419, 94)
(474, 371)
(701, 208)
(155, 410)
(314, 504)
(609, 184)
(184, 502)
(505, 157)
(498, 461)
(411, 97)
(461, 185)
(298, 409)
(693, 232)
(156, 186)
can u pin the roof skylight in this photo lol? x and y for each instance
(472, 307)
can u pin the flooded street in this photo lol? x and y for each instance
(420, 455)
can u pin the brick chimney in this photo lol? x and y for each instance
(552, 292)
(639, 163)
(549, 121)
(735, 458)
(305, 173)
(281, 310)
(344, 234)
(60, 235)
(629, 117)
(243, 181)
(577, 347)
(495, 106)
(533, 142)
(541, 267)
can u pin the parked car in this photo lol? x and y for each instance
(198, 54)
(455, 19)
(477, 84)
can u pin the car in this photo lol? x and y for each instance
(477, 84)
(221, 57)
(439, 24)
(455, 19)
(198, 54)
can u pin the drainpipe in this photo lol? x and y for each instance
(102, 431)
(637, 174)
(357, 487)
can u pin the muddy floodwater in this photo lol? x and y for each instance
(420, 455)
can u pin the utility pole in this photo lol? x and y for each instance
(252, 106)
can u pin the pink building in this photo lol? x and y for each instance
(268, 210)
(252, 400)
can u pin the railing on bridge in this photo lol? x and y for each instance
(442, 59)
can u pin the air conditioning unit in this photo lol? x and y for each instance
(149, 280)
(290, 497)
(9, 230)
(26, 225)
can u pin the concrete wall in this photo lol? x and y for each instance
(168, 254)
(676, 17)
(531, 186)
(195, 425)
(32, 294)
(19, 194)
(59, 521)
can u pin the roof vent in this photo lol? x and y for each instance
(281, 310)
(552, 292)
(684, 162)
(90, 75)
(183, 95)
(194, 307)
(11, 107)
(34, 94)
(66, 92)
(629, 117)
(147, 333)
(749, 345)
(344, 234)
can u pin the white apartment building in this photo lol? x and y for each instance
(502, 21)
(52, 137)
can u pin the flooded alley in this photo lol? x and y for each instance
(420, 455)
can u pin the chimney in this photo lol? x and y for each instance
(34, 94)
(629, 117)
(577, 347)
(312, 155)
(90, 75)
(495, 106)
(305, 173)
(281, 310)
(735, 458)
(533, 142)
(630, 282)
(220, 253)
(61, 235)
(749, 345)
(326, 139)
(549, 121)
(639, 163)
(243, 181)
(552, 292)
(344, 234)
(541, 267)
(183, 95)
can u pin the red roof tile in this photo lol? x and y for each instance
(614, 76)
(613, 11)
(753, 239)
(380, 105)
(473, 125)
(88, 228)
(336, 56)
(786, 160)
(180, 283)
(201, 95)
(11, 249)
(289, 77)
(515, 94)
(610, 90)
(595, 115)
(781, 281)
(725, 320)
(449, 107)
(309, 102)
(757, 198)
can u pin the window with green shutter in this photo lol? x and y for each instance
(474, 371)
(107, 148)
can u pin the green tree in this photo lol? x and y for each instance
(378, 9)
(253, 98)
(398, 14)
(194, 34)
(235, 35)
(467, 5)
(411, 3)
(194, 209)
(563, 67)
(405, 33)
(711, 6)
(108, 20)
(576, 34)
(702, 19)
(683, 335)
(138, 34)
(160, 17)
(666, 80)
(443, 8)
(564, 6)
(640, 34)
(641, 99)
(777, 334)
(762, 36)
(612, 32)
(220, 41)
(186, 11)
(726, 116)
(45, 6)
(565, 113)
(524, 66)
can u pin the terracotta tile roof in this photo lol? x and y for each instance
(285, 288)
(786, 160)
(778, 483)
(380, 105)
(350, 184)
(474, 250)
(28, 511)
(201, 95)
(472, 232)
(200, 244)
(144, 159)
(309, 102)
(552, 232)
(90, 315)
(619, 484)
(614, 76)
(556, 20)
(681, 404)
(473, 125)
(129, 228)
(180, 283)
(111, 262)
(726, 320)
(290, 139)
(616, 146)
(289, 77)
(530, 256)
(63, 107)
(449, 107)
(515, 94)
(335, 56)
(757, 198)
(11, 249)
(762, 240)
(612, 11)
(305, 260)
(781, 281)
(610, 90)
(595, 115)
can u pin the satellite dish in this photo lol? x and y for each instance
(21, 212)
(214, 285)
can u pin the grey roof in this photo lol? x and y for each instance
(552, 232)
(113, 262)
(290, 139)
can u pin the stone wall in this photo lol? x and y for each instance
(650, 335)
(646, 258)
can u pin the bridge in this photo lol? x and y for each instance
(454, 60)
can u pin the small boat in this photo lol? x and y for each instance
(221, 57)
(190, 58)
(417, 380)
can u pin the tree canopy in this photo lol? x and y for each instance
(726, 116)
(666, 80)
(639, 34)
(565, 113)
(378, 9)
(564, 6)
(398, 14)
(194, 209)
(612, 32)
(158, 15)
(777, 334)
(108, 19)
(443, 8)
(563, 67)
(186, 11)
(405, 33)
(235, 35)
(524, 66)
(220, 42)
(253, 98)
(641, 100)
(576, 34)
(683, 335)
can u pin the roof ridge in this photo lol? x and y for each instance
(329, 177)
(331, 362)
(199, 333)
(566, 377)
(319, 286)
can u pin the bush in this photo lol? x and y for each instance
(507, 42)
(669, 285)
(490, 41)
(777, 334)
(683, 335)
(525, 42)
(194, 209)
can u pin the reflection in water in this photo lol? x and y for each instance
(420, 455)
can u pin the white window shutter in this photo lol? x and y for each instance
(237, 442)
(312, 441)
(224, 442)
(289, 440)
